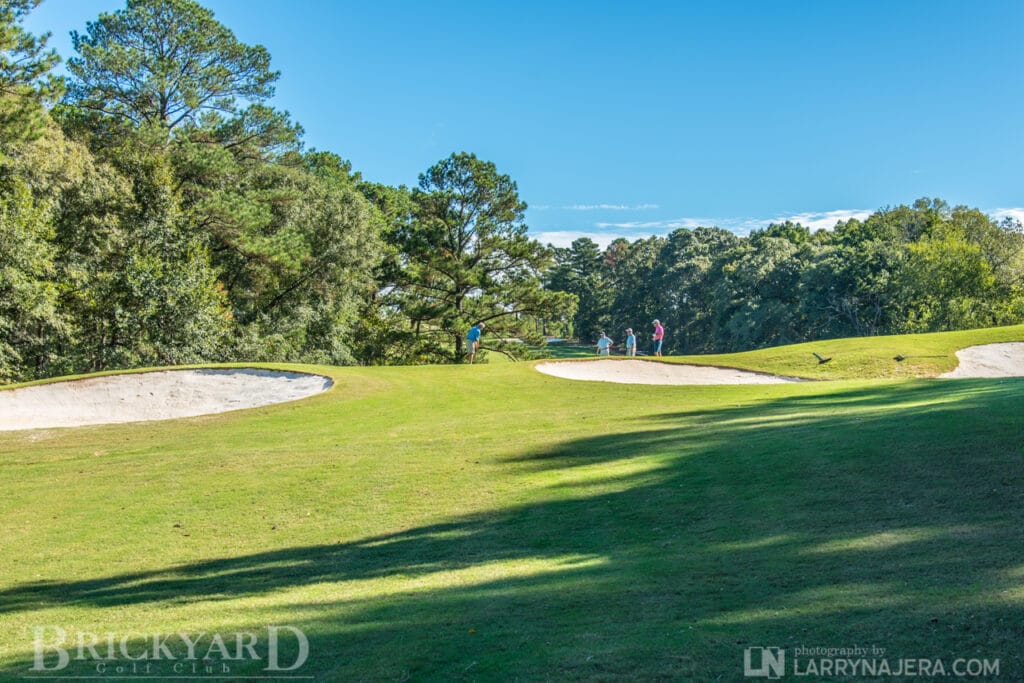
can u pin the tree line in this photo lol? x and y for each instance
(155, 209)
(922, 268)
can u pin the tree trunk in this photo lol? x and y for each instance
(458, 333)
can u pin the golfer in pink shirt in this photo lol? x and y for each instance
(659, 335)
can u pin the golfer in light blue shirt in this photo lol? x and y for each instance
(473, 337)
(604, 345)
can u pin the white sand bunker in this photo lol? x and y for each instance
(990, 360)
(653, 372)
(151, 396)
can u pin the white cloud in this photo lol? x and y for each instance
(565, 238)
(1000, 214)
(657, 225)
(813, 220)
(609, 207)
(596, 207)
(823, 220)
(605, 232)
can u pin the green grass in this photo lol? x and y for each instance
(924, 355)
(569, 349)
(492, 523)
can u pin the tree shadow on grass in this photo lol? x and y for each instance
(897, 522)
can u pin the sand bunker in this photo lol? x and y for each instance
(653, 372)
(990, 360)
(151, 396)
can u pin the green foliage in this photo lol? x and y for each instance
(687, 272)
(466, 258)
(25, 80)
(138, 283)
(269, 252)
(28, 292)
(578, 271)
(295, 242)
(948, 281)
(163, 213)
(852, 282)
(164, 63)
(920, 268)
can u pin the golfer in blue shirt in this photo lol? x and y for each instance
(473, 337)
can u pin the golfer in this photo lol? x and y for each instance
(604, 345)
(473, 337)
(630, 342)
(658, 336)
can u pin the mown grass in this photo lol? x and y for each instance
(923, 355)
(569, 349)
(491, 523)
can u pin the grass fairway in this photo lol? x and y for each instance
(492, 523)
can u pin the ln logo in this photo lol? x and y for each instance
(772, 662)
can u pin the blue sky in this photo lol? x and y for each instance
(618, 119)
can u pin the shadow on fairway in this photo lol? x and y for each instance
(825, 520)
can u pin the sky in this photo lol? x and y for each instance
(631, 119)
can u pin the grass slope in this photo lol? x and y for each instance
(924, 355)
(921, 355)
(493, 523)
